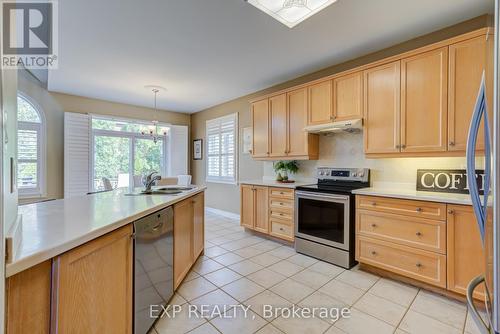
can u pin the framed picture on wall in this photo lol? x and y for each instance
(198, 149)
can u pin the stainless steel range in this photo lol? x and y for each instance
(325, 215)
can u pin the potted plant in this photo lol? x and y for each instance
(283, 168)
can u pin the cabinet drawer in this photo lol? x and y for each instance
(278, 203)
(281, 193)
(422, 209)
(282, 215)
(421, 265)
(421, 233)
(282, 230)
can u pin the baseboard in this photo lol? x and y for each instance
(223, 213)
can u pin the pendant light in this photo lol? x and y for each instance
(155, 131)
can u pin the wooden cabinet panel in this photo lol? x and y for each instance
(421, 209)
(198, 224)
(382, 108)
(424, 93)
(467, 62)
(465, 251)
(28, 300)
(298, 139)
(183, 243)
(261, 209)
(93, 286)
(247, 206)
(282, 204)
(420, 233)
(320, 103)
(281, 229)
(348, 97)
(421, 265)
(281, 193)
(279, 125)
(260, 126)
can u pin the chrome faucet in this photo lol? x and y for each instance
(149, 180)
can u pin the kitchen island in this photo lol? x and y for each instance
(76, 258)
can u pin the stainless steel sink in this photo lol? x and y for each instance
(156, 192)
(175, 188)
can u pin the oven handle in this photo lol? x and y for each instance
(305, 194)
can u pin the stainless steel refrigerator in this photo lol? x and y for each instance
(487, 207)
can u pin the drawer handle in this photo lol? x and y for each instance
(374, 253)
(419, 210)
(281, 203)
(282, 193)
(418, 234)
(374, 203)
(451, 212)
(281, 214)
(374, 225)
(419, 265)
(281, 229)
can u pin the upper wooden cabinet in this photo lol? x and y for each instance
(301, 144)
(424, 91)
(260, 126)
(382, 108)
(348, 97)
(279, 125)
(467, 63)
(320, 103)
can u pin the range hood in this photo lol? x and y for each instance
(354, 125)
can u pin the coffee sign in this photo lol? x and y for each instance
(447, 180)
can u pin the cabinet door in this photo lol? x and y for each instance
(424, 93)
(348, 97)
(467, 62)
(247, 206)
(278, 133)
(198, 224)
(260, 125)
(297, 120)
(320, 103)
(382, 108)
(464, 249)
(183, 244)
(261, 209)
(93, 286)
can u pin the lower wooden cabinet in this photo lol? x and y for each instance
(28, 300)
(92, 286)
(188, 235)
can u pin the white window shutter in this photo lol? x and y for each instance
(221, 137)
(179, 148)
(76, 154)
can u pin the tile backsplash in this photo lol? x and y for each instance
(346, 150)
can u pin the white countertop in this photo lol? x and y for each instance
(405, 193)
(274, 183)
(52, 228)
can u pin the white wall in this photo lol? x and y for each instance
(346, 150)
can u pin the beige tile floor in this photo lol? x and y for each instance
(239, 268)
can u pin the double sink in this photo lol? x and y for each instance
(167, 190)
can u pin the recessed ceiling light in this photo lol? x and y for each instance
(291, 12)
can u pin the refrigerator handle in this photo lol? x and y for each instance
(483, 327)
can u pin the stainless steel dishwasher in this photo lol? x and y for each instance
(153, 266)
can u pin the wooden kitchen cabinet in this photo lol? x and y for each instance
(28, 300)
(301, 144)
(254, 208)
(320, 108)
(348, 97)
(424, 93)
(464, 248)
(92, 286)
(382, 108)
(198, 225)
(260, 126)
(279, 126)
(247, 211)
(183, 239)
(468, 60)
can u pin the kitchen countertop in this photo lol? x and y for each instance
(52, 228)
(403, 193)
(274, 183)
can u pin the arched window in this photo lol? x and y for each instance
(30, 148)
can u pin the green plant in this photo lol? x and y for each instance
(282, 168)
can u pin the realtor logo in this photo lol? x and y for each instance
(29, 34)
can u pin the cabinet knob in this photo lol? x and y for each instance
(374, 225)
(418, 234)
(281, 214)
(374, 203)
(282, 193)
(403, 146)
(282, 203)
(398, 146)
(419, 209)
(374, 253)
(267, 153)
(418, 265)
(452, 143)
(451, 211)
(281, 229)
(250, 151)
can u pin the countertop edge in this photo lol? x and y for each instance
(419, 197)
(37, 258)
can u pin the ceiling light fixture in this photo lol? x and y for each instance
(155, 131)
(291, 12)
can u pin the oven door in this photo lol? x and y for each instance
(323, 218)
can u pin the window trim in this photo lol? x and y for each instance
(41, 128)
(220, 179)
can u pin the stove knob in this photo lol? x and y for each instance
(361, 174)
(354, 174)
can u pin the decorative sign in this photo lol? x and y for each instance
(447, 180)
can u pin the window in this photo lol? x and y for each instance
(122, 154)
(221, 149)
(30, 148)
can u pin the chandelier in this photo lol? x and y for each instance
(155, 131)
